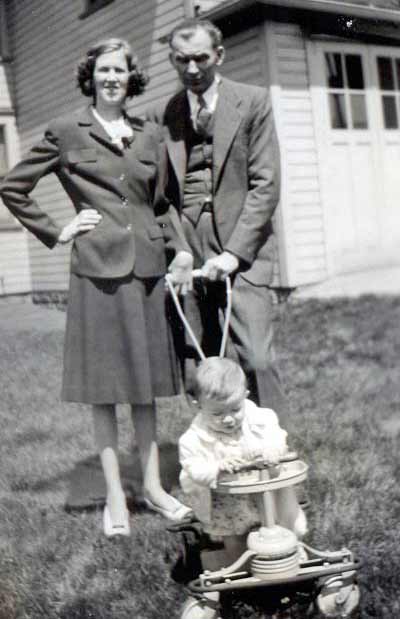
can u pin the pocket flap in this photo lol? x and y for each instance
(82, 155)
(146, 156)
(155, 232)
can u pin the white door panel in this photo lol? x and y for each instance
(358, 157)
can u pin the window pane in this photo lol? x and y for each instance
(389, 112)
(398, 73)
(3, 154)
(359, 112)
(355, 77)
(337, 111)
(385, 72)
(334, 72)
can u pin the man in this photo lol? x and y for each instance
(224, 180)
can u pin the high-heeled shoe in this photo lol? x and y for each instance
(110, 529)
(178, 513)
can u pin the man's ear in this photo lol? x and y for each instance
(220, 51)
(172, 59)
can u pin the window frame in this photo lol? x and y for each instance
(92, 6)
(7, 121)
(393, 93)
(347, 92)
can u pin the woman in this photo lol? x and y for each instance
(116, 346)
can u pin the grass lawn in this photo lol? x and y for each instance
(340, 363)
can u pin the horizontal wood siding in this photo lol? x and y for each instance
(48, 38)
(242, 61)
(14, 256)
(5, 89)
(303, 232)
(246, 62)
(14, 262)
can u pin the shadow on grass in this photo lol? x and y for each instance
(86, 482)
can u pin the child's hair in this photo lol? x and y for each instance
(219, 379)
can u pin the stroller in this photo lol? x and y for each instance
(277, 576)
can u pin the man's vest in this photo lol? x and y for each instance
(198, 178)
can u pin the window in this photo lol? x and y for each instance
(346, 91)
(389, 85)
(91, 6)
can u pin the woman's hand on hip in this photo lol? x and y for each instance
(85, 221)
(181, 269)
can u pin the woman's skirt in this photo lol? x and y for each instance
(117, 344)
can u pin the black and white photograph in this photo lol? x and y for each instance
(199, 309)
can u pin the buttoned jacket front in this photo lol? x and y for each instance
(126, 186)
(246, 170)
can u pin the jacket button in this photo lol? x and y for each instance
(122, 177)
(129, 227)
(124, 201)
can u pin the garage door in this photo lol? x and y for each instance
(356, 98)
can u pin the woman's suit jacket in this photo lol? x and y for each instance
(125, 186)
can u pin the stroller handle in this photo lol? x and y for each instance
(197, 274)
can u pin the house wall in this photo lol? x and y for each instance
(203, 6)
(47, 40)
(246, 61)
(45, 89)
(14, 257)
(274, 55)
(303, 246)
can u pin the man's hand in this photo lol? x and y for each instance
(85, 221)
(218, 268)
(181, 269)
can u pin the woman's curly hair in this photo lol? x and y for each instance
(85, 69)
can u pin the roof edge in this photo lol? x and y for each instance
(229, 7)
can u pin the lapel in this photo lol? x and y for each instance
(176, 118)
(227, 119)
(98, 133)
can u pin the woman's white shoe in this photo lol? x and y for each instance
(110, 529)
(178, 513)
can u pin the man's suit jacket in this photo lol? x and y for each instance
(125, 186)
(246, 171)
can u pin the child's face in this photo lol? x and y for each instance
(225, 417)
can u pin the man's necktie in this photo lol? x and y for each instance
(203, 118)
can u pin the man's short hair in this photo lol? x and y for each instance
(188, 27)
(219, 379)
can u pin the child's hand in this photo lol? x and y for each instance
(231, 464)
(252, 453)
(272, 455)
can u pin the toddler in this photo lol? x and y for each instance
(228, 431)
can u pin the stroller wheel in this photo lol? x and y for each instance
(339, 603)
(202, 608)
